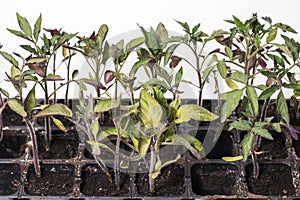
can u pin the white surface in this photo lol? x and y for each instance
(122, 16)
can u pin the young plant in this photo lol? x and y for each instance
(19, 78)
(44, 56)
(251, 54)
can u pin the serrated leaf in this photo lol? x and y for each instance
(10, 58)
(282, 107)
(17, 107)
(239, 77)
(232, 100)
(222, 68)
(191, 111)
(151, 111)
(262, 132)
(24, 25)
(104, 105)
(252, 96)
(29, 102)
(272, 35)
(268, 92)
(55, 110)
(231, 83)
(247, 144)
(242, 125)
(59, 124)
(37, 28)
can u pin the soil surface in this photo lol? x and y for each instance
(214, 179)
(13, 144)
(273, 149)
(223, 146)
(96, 183)
(169, 183)
(10, 118)
(63, 145)
(273, 179)
(9, 178)
(56, 179)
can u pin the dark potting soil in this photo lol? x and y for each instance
(56, 179)
(273, 149)
(223, 146)
(273, 179)
(96, 183)
(169, 183)
(9, 178)
(63, 145)
(10, 118)
(214, 179)
(13, 144)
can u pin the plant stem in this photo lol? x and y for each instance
(68, 79)
(151, 169)
(54, 82)
(47, 122)
(34, 147)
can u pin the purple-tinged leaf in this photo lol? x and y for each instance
(292, 130)
(51, 77)
(261, 62)
(109, 76)
(53, 31)
(174, 61)
(94, 83)
(214, 51)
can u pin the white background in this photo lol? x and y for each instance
(122, 16)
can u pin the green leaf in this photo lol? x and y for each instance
(151, 111)
(159, 96)
(29, 102)
(134, 43)
(268, 92)
(169, 53)
(24, 25)
(252, 96)
(14, 72)
(231, 83)
(137, 66)
(242, 125)
(19, 34)
(29, 49)
(195, 29)
(292, 46)
(272, 35)
(262, 132)
(232, 100)
(239, 24)
(36, 60)
(276, 127)
(104, 105)
(178, 76)
(191, 143)
(285, 27)
(162, 34)
(102, 32)
(55, 109)
(239, 77)
(229, 53)
(17, 107)
(95, 127)
(105, 54)
(4, 92)
(9, 58)
(222, 68)
(232, 159)
(37, 28)
(207, 71)
(59, 124)
(151, 42)
(282, 107)
(191, 111)
(246, 144)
